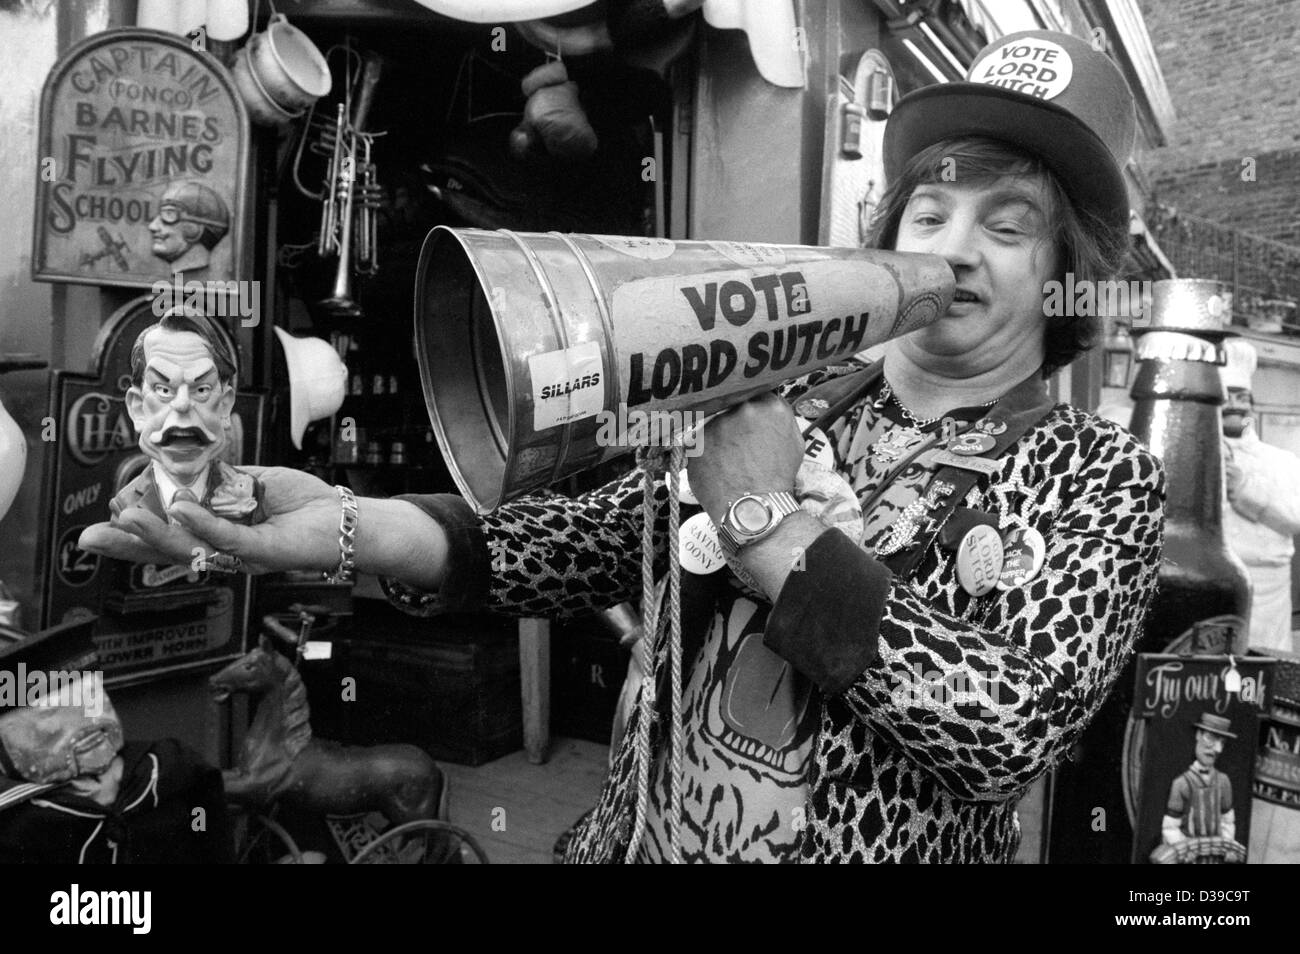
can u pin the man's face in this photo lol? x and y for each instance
(181, 410)
(996, 236)
(1208, 747)
(1236, 411)
(169, 242)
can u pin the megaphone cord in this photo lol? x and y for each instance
(676, 462)
(651, 462)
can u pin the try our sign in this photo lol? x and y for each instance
(143, 167)
(1199, 731)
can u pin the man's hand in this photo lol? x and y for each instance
(301, 531)
(753, 448)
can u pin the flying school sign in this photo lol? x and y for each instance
(143, 166)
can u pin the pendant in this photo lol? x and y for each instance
(905, 527)
(893, 445)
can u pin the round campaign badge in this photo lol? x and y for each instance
(698, 547)
(1029, 65)
(1023, 551)
(816, 445)
(979, 560)
(972, 444)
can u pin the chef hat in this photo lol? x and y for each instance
(1242, 360)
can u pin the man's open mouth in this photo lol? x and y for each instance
(962, 294)
(184, 437)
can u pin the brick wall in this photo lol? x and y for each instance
(1233, 71)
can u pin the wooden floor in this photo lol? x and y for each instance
(516, 810)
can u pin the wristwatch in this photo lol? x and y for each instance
(753, 517)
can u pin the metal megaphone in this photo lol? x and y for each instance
(528, 342)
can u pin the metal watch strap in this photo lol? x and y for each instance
(781, 501)
(347, 538)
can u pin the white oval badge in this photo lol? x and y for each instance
(1034, 67)
(698, 547)
(979, 560)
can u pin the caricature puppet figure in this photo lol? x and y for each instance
(182, 394)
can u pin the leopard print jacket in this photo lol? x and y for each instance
(968, 700)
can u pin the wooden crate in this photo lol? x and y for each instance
(449, 685)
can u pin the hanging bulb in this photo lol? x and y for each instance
(13, 459)
(227, 19)
(157, 15)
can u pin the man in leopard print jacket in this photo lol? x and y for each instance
(931, 702)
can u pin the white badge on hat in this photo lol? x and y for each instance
(1030, 65)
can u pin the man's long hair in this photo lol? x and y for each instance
(1086, 245)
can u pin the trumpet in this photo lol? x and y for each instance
(351, 194)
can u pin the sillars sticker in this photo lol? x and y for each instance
(567, 385)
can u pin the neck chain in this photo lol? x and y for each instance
(887, 394)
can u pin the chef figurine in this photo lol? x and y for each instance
(1263, 485)
(182, 394)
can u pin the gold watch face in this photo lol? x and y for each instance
(751, 515)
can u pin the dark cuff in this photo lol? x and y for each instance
(826, 621)
(467, 581)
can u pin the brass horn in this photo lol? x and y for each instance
(346, 230)
(535, 348)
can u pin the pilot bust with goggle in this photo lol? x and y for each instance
(190, 222)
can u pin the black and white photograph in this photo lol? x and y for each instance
(458, 432)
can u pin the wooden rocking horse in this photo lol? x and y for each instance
(281, 761)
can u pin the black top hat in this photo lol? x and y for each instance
(1049, 93)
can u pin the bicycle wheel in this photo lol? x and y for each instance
(425, 842)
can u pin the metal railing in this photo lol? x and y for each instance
(1262, 274)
